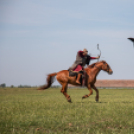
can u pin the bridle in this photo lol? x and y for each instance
(100, 68)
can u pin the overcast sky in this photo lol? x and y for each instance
(38, 37)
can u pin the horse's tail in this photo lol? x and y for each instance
(50, 80)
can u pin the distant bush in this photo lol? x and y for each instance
(12, 86)
(3, 85)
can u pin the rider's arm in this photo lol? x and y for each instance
(94, 57)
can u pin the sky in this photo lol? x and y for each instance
(38, 37)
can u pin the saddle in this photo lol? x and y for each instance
(83, 76)
(74, 73)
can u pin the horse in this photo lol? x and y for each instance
(91, 73)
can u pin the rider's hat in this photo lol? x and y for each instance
(85, 50)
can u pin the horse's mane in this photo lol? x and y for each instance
(92, 65)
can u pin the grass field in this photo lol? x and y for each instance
(28, 111)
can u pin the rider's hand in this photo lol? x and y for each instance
(98, 57)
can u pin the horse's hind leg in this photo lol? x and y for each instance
(64, 91)
(97, 93)
(90, 92)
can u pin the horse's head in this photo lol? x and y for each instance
(106, 67)
(102, 65)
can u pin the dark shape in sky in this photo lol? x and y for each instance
(132, 39)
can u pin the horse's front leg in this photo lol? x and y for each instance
(97, 93)
(90, 91)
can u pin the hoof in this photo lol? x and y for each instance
(85, 96)
(96, 99)
(70, 101)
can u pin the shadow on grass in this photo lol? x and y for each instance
(103, 102)
(123, 102)
(91, 102)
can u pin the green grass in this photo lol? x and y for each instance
(28, 111)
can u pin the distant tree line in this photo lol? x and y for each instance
(25, 86)
(20, 86)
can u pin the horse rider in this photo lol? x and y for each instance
(82, 58)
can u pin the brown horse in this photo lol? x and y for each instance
(91, 72)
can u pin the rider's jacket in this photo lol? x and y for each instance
(81, 60)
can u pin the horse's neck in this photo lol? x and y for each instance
(95, 70)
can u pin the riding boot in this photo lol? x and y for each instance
(78, 78)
